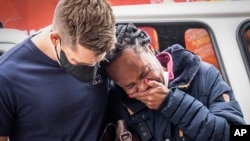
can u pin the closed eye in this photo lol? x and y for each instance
(130, 86)
(145, 72)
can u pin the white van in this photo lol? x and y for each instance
(10, 37)
(215, 30)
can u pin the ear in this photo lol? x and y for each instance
(54, 37)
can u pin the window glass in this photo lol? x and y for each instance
(198, 41)
(193, 37)
(244, 43)
(247, 38)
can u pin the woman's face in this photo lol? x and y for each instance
(131, 70)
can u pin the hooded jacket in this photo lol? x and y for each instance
(194, 109)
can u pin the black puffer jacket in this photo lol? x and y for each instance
(194, 109)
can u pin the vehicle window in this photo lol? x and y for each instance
(243, 39)
(193, 36)
(247, 37)
(198, 41)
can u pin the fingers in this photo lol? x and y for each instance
(154, 88)
(153, 96)
(139, 94)
(153, 83)
(152, 101)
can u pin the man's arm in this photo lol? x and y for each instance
(3, 138)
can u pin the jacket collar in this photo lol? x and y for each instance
(185, 65)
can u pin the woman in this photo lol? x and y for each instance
(171, 95)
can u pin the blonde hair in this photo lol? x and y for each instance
(91, 23)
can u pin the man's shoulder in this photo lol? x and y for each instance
(15, 51)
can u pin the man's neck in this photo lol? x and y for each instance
(43, 42)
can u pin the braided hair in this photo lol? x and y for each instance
(128, 36)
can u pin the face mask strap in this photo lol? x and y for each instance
(58, 58)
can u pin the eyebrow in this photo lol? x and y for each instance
(83, 63)
(88, 64)
(96, 62)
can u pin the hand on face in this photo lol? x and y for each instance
(154, 96)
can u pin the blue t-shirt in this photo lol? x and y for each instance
(40, 101)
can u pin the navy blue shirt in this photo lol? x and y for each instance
(40, 101)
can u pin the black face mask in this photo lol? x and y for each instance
(83, 73)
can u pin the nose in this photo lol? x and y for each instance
(142, 86)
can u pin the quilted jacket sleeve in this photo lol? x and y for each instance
(207, 119)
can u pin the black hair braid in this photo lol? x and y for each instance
(129, 33)
(120, 33)
(127, 36)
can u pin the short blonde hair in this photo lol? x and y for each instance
(91, 23)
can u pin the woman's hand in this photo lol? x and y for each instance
(153, 96)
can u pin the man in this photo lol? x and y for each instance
(171, 95)
(51, 89)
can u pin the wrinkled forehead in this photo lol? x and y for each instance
(133, 55)
(129, 60)
(124, 68)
